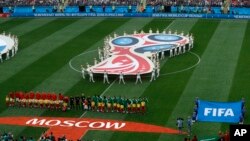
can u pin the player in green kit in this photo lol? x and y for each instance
(118, 104)
(114, 104)
(100, 100)
(125, 102)
(121, 105)
(109, 103)
(93, 103)
(105, 104)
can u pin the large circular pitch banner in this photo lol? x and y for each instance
(130, 54)
(6, 43)
(3, 45)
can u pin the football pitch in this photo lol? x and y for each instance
(51, 51)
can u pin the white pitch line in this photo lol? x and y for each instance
(70, 62)
(170, 25)
(101, 95)
(186, 69)
(208, 139)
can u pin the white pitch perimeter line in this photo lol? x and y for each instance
(101, 95)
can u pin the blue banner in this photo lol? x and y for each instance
(155, 15)
(219, 111)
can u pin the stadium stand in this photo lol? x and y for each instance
(148, 6)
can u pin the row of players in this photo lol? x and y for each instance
(109, 104)
(10, 52)
(37, 100)
(61, 102)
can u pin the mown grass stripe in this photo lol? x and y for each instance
(44, 31)
(158, 87)
(87, 86)
(37, 71)
(84, 86)
(29, 26)
(240, 82)
(75, 77)
(7, 25)
(68, 50)
(177, 83)
(2, 20)
(134, 90)
(129, 90)
(74, 80)
(211, 80)
(30, 54)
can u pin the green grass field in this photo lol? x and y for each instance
(47, 45)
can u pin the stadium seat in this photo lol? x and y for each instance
(25, 9)
(71, 9)
(6, 10)
(44, 9)
(108, 9)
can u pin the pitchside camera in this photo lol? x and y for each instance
(239, 132)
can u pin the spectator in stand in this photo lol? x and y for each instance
(52, 137)
(221, 136)
(226, 136)
(195, 138)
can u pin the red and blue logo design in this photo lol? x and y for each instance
(2, 45)
(130, 54)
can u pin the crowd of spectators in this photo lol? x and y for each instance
(223, 136)
(10, 137)
(6, 136)
(30, 2)
(237, 3)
